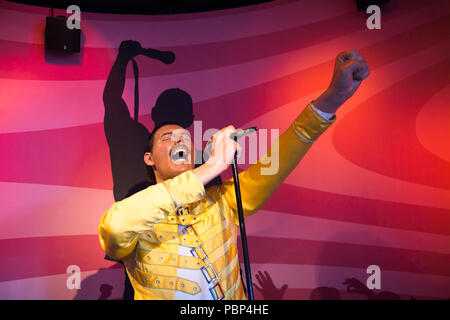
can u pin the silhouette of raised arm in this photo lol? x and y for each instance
(112, 94)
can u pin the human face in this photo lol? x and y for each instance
(172, 152)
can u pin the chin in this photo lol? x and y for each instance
(179, 169)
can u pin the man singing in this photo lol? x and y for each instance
(178, 240)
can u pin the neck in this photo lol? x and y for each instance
(159, 178)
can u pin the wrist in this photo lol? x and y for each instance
(208, 171)
(327, 102)
(214, 166)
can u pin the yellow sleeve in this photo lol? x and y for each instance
(121, 225)
(263, 178)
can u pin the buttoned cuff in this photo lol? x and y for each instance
(185, 188)
(320, 113)
(309, 124)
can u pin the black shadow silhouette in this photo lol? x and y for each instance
(330, 249)
(356, 286)
(267, 287)
(106, 291)
(126, 137)
(94, 285)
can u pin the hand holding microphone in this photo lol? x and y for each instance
(234, 135)
(129, 49)
(223, 146)
(223, 149)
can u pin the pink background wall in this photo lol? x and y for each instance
(374, 189)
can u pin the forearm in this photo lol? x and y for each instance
(207, 172)
(116, 80)
(262, 179)
(328, 102)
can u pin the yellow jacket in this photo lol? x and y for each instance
(143, 230)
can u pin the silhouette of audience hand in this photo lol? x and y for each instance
(105, 291)
(267, 287)
(356, 286)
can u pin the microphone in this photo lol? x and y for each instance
(234, 135)
(242, 132)
(166, 57)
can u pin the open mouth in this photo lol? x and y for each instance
(180, 154)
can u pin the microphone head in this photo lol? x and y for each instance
(242, 132)
(168, 57)
(235, 135)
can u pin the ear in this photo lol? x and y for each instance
(148, 159)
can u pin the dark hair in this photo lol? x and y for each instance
(173, 105)
(151, 142)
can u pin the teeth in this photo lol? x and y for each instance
(179, 153)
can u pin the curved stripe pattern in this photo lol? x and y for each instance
(374, 189)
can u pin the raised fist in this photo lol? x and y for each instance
(350, 69)
(129, 49)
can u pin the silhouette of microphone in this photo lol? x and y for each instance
(235, 136)
(166, 57)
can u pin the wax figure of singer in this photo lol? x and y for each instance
(178, 240)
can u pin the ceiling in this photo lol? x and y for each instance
(144, 6)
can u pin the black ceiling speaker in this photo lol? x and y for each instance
(58, 37)
(363, 4)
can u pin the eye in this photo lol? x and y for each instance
(166, 137)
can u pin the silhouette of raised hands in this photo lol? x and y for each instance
(267, 287)
(356, 286)
(105, 290)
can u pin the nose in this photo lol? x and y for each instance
(185, 139)
(180, 139)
